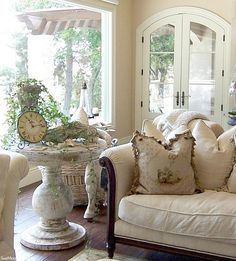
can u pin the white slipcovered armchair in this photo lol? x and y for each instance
(13, 167)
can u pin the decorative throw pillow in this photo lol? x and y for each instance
(150, 130)
(215, 127)
(213, 157)
(161, 170)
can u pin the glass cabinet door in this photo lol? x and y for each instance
(202, 69)
(161, 72)
(160, 83)
(183, 61)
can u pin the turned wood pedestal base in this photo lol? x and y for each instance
(53, 200)
(54, 237)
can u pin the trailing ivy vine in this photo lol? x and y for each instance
(29, 94)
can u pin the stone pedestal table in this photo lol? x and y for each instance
(52, 200)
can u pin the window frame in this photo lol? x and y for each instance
(108, 12)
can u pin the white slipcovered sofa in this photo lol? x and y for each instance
(13, 167)
(202, 224)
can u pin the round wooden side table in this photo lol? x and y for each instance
(52, 200)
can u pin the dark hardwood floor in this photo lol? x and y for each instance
(96, 234)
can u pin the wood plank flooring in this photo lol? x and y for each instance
(96, 233)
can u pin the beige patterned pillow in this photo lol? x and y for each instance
(213, 157)
(161, 170)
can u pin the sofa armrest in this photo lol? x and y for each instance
(119, 163)
(18, 169)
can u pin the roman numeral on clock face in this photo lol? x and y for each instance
(31, 126)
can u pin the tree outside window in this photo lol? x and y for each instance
(63, 59)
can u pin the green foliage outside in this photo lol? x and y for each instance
(81, 48)
(162, 50)
(161, 61)
(25, 5)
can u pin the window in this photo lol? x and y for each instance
(63, 45)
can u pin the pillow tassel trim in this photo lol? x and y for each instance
(136, 167)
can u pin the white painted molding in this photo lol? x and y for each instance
(114, 2)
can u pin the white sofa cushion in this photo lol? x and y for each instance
(150, 130)
(4, 166)
(213, 157)
(169, 121)
(181, 129)
(207, 215)
(161, 170)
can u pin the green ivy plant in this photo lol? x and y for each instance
(30, 94)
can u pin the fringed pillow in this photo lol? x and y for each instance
(161, 169)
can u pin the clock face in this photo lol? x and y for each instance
(31, 126)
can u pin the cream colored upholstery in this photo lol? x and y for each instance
(16, 167)
(170, 121)
(182, 214)
(202, 223)
(213, 157)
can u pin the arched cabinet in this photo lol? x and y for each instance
(183, 61)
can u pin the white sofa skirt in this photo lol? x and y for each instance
(126, 230)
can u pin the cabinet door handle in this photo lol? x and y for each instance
(182, 99)
(177, 98)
